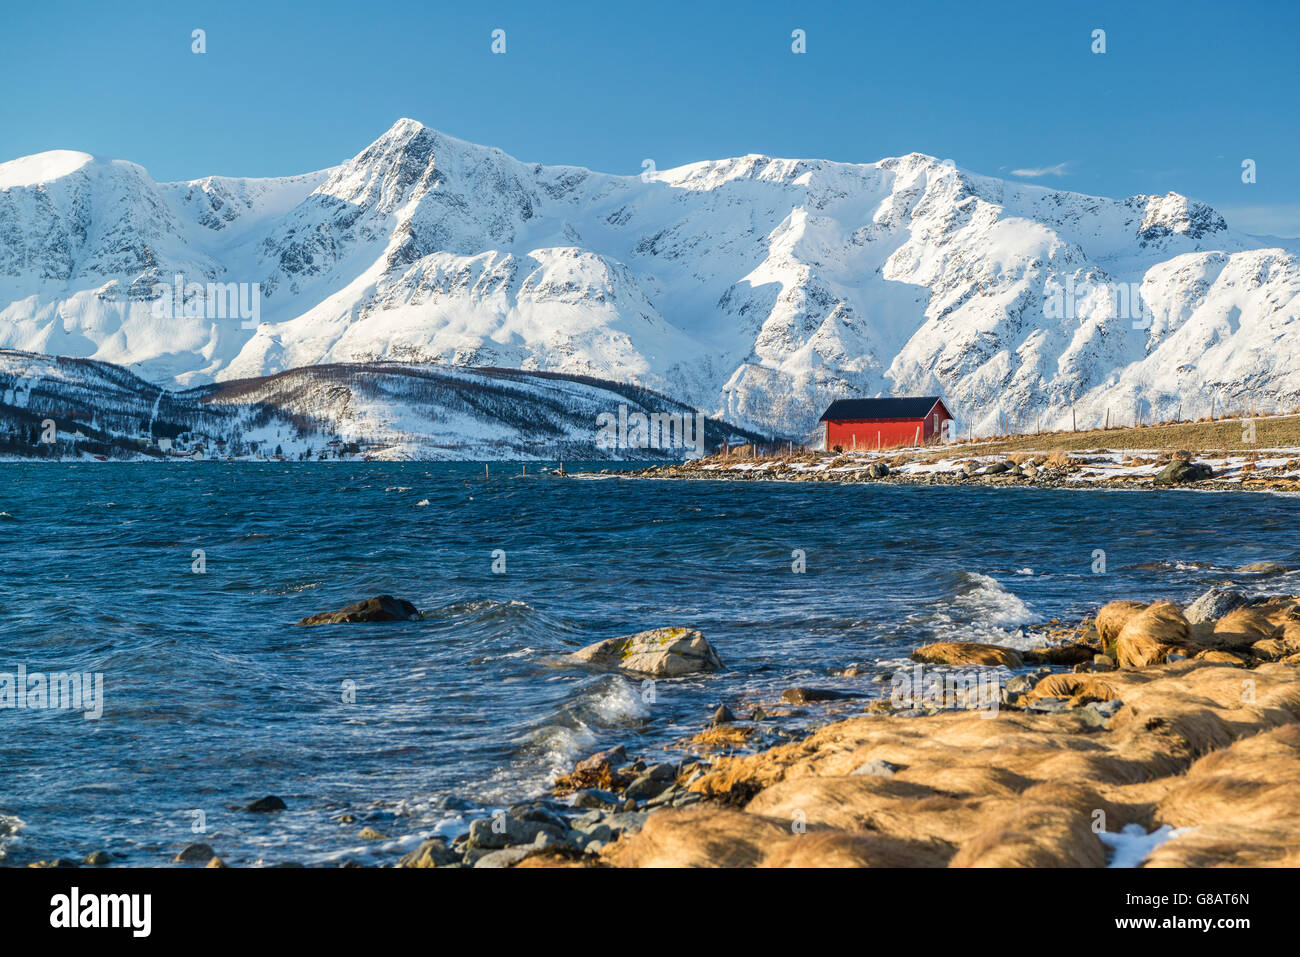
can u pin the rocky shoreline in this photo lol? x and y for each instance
(1173, 730)
(1276, 470)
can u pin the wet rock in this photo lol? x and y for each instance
(57, 862)
(596, 798)
(504, 830)
(666, 797)
(1025, 682)
(723, 715)
(967, 653)
(433, 852)
(599, 831)
(97, 859)
(878, 470)
(195, 854)
(1048, 705)
(1264, 568)
(379, 608)
(660, 653)
(1098, 713)
(506, 857)
(657, 779)
(606, 758)
(266, 805)
(540, 813)
(1213, 605)
(370, 834)
(626, 822)
(811, 695)
(214, 863)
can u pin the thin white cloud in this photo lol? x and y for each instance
(1281, 220)
(1060, 169)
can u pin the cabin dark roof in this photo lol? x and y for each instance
(903, 407)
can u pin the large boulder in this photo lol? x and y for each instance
(379, 608)
(659, 653)
(1180, 472)
(1213, 605)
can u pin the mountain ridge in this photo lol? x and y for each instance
(756, 288)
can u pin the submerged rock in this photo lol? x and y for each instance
(810, 695)
(195, 854)
(660, 653)
(266, 805)
(379, 608)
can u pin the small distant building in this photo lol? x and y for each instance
(884, 423)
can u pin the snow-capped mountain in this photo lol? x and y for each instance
(757, 289)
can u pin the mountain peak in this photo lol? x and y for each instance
(1176, 213)
(42, 167)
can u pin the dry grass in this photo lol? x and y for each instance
(1223, 435)
(1150, 634)
(1187, 749)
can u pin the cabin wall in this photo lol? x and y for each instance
(885, 433)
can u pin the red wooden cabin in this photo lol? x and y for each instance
(882, 423)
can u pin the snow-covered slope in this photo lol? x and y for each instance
(758, 289)
(56, 407)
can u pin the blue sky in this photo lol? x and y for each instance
(1183, 94)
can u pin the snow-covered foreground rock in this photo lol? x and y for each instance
(75, 408)
(756, 289)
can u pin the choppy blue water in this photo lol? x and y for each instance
(213, 698)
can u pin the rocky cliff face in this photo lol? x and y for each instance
(757, 289)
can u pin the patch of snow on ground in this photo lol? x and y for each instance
(1132, 845)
